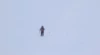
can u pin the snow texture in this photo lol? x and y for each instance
(72, 27)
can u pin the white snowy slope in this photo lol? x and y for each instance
(72, 27)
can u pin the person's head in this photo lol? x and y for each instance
(42, 26)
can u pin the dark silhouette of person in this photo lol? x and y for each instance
(42, 30)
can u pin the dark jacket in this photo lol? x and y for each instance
(42, 29)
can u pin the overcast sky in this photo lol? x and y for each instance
(72, 27)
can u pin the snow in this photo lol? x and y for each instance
(71, 27)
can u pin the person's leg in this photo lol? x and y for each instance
(42, 33)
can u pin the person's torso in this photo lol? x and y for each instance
(42, 29)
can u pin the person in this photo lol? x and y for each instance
(42, 30)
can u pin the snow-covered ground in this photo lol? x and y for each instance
(72, 27)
